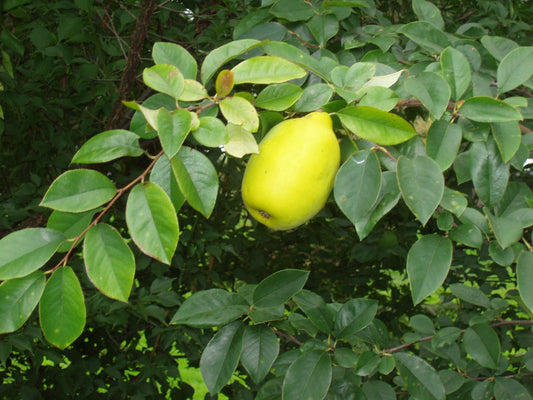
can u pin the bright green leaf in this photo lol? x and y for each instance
(487, 109)
(174, 54)
(163, 176)
(240, 111)
(164, 78)
(278, 97)
(211, 133)
(432, 90)
(266, 69)
(107, 146)
(240, 141)
(172, 129)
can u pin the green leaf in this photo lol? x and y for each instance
(348, 81)
(470, 294)
(378, 390)
(239, 111)
(498, 46)
(454, 201)
(375, 125)
(27, 250)
(388, 198)
(314, 306)
(426, 35)
(500, 256)
(515, 68)
(422, 185)
(79, 190)
(483, 390)
(443, 142)
(426, 11)
(62, 308)
(420, 378)
(173, 129)
(510, 389)
(432, 90)
(467, 234)
(506, 229)
(240, 141)
(445, 336)
(164, 78)
(524, 272)
(221, 356)
(270, 390)
(487, 109)
(379, 97)
(266, 69)
(107, 146)
(221, 55)
(358, 184)
(278, 97)
(309, 377)
(174, 54)
(482, 344)
(428, 263)
(211, 133)
(152, 221)
(327, 4)
(197, 179)
(313, 97)
(508, 138)
(323, 27)
(354, 316)
(163, 176)
(109, 262)
(279, 287)
(259, 351)
(456, 71)
(489, 173)
(210, 308)
(292, 10)
(193, 91)
(18, 299)
(297, 56)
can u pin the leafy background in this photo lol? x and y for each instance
(59, 85)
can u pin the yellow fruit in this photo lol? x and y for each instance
(289, 181)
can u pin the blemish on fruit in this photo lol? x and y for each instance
(264, 214)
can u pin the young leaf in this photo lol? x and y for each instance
(174, 54)
(265, 70)
(164, 78)
(173, 129)
(482, 344)
(27, 250)
(487, 109)
(211, 132)
(489, 173)
(240, 141)
(354, 316)
(152, 221)
(432, 90)
(18, 299)
(428, 263)
(221, 356)
(221, 55)
(197, 179)
(422, 185)
(62, 308)
(456, 70)
(193, 91)
(107, 146)
(524, 272)
(260, 350)
(443, 142)
(210, 308)
(515, 68)
(420, 378)
(375, 125)
(279, 287)
(79, 190)
(109, 262)
(358, 184)
(309, 377)
(278, 97)
(426, 35)
(240, 111)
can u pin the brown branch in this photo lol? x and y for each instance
(132, 63)
(287, 336)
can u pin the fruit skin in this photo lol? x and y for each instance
(289, 181)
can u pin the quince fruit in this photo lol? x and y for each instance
(289, 180)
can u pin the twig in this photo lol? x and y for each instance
(287, 336)
(119, 193)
